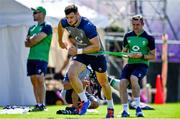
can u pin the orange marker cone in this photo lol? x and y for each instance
(159, 99)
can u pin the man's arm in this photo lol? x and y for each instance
(60, 35)
(124, 50)
(151, 55)
(35, 39)
(31, 41)
(93, 47)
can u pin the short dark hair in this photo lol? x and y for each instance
(71, 8)
(138, 17)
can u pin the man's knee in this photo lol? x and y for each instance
(102, 79)
(123, 83)
(104, 83)
(134, 81)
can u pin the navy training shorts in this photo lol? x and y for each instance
(138, 70)
(97, 63)
(36, 67)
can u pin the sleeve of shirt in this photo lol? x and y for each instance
(90, 31)
(125, 43)
(64, 23)
(151, 43)
(47, 29)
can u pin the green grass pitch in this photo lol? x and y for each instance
(165, 111)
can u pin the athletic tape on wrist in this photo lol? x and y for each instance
(79, 51)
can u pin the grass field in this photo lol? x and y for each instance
(165, 111)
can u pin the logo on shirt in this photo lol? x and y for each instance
(78, 39)
(99, 69)
(139, 75)
(135, 48)
(39, 71)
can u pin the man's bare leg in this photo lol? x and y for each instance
(74, 70)
(103, 81)
(124, 96)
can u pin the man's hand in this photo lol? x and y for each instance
(27, 38)
(135, 55)
(27, 43)
(72, 51)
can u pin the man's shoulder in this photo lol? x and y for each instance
(148, 35)
(64, 22)
(86, 22)
(63, 19)
(47, 24)
(47, 28)
(87, 25)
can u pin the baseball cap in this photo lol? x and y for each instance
(40, 9)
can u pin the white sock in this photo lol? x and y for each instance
(137, 101)
(39, 104)
(83, 96)
(110, 104)
(125, 107)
